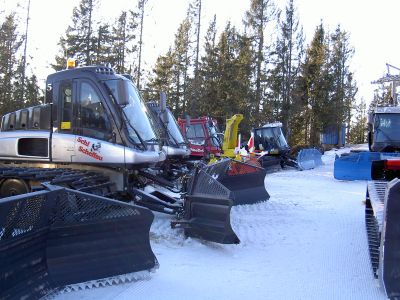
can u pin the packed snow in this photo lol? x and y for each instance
(307, 242)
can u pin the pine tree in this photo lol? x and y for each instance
(18, 85)
(315, 88)
(10, 65)
(343, 89)
(172, 71)
(225, 75)
(79, 41)
(104, 47)
(92, 42)
(195, 17)
(208, 75)
(224, 104)
(33, 94)
(349, 99)
(243, 78)
(299, 117)
(162, 80)
(123, 35)
(357, 134)
(382, 97)
(287, 56)
(181, 54)
(261, 12)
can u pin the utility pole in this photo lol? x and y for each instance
(25, 46)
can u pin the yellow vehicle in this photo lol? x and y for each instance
(268, 147)
(230, 146)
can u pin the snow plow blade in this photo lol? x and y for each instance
(207, 210)
(382, 216)
(309, 159)
(357, 166)
(58, 237)
(244, 181)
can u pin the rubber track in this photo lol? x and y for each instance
(374, 208)
(106, 282)
(373, 238)
(80, 180)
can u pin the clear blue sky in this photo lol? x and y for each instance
(371, 24)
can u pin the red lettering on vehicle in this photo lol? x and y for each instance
(90, 153)
(83, 141)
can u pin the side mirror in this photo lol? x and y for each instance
(370, 141)
(163, 101)
(163, 108)
(187, 121)
(370, 119)
(122, 99)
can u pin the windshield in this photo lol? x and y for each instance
(173, 129)
(135, 111)
(387, 128)
(268, 138)
(195, 134)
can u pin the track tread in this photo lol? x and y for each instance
(81, 180)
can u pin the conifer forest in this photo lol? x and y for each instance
(309, 88)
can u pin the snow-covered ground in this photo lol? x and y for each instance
(307, 242)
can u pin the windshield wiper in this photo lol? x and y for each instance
(136, 132)
(121, 109)
(151, 140)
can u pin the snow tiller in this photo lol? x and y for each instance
(357, 165)
(74, 203)
(58, 237)
(383, 143)
(207, 207)
(211, 192)
(243, 180)
(272, 150)
(382, 216)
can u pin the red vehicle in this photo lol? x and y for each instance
(202, 135)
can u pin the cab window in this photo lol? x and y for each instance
(66, 104)
(94, 121)
(195, 134)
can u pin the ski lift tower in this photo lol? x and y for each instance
(394, 83)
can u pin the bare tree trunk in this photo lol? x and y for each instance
(141, 5)
(89, 34)
(25, 46)
(196, 65)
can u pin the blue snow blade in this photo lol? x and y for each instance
(309, 159)
(357, 166)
